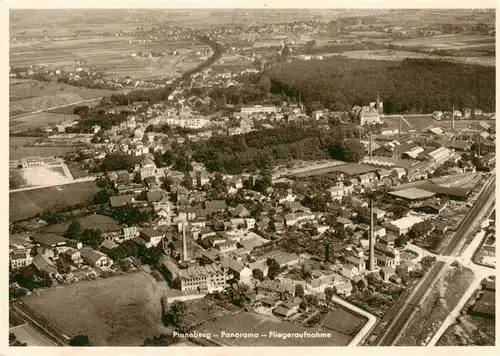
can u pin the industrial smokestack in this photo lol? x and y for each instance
(371, 140)
(184, 243)
(371, 261)
(400, 124)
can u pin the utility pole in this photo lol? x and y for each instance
(371, 140)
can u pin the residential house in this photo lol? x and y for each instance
(239, 271)
(130, 232)
(19, 259)
(282, 258)
(151, 236)
(358, 262)
(121, 200)
(73, 256)
(261, 266)
(240, 211)
(402, 226)
(288, 308)
(95, 258)
(42, 263)
(386, 273)
(268, 288)
(215, 206)
(350, 271)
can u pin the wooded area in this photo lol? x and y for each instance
(412, 86)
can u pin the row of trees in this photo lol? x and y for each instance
(412, 86)
(261, 150)
(91, 237)
(118, 161)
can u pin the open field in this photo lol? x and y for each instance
(25, 204)
(93, 221)
(117, 311)
(77, 171)
(443, 297)
(447, 41)
(41, 176)
(16, 179)
(112, 56)
(391, 55)
(19, 152)
(45, 102)
(26, 89)
(256, 323)
(344, 322)
(39, 120)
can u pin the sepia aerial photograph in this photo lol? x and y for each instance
(260, 177)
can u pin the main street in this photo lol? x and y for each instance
(481, 207)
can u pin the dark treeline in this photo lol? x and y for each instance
(412, 86)
(215, 56)
(260, 150)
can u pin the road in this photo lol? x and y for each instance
(480, 273)
(396, 326)
(372, 320)
(53, 108)
(24, 312)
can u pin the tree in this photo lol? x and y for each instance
(62, 266)
(187, 181)
(102, 196)
(398, 210)
(299, 290)
(258, 274)
(265, 84)
(305, 272)
(401, 241)
(361, 284)
(137, 178)
(130, 215)
(103, 181)
(328, 293)
(117, 162)
(304, 304)
(178, 314)
(160, 340)
(80, 340)
(353, 150)
(428, 261)
(74, 230)
(91, 237)
(274, 269)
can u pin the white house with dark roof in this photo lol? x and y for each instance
(95, 258)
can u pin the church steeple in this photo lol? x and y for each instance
(378, 100)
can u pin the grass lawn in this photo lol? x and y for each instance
(256, 323)
(25, 204)
(39, 120)
(116, 311)
(343, 322)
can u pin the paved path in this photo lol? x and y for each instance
(53, 108)
(480, 273)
